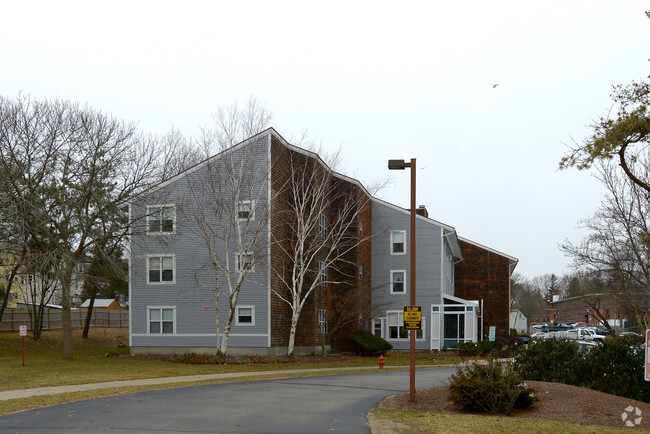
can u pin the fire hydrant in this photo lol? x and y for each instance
(381, 362)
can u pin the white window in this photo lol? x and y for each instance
(360, 229)
(161, 219)
(322, 321)
(322, 272)
(245, 262)
(398, 281)
(397, 242)
(246, 210)
(322, 225)
(396, 329)
(161, 269)
(360, 273)
(245, 315)
(162, 320)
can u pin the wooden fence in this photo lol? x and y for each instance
(12, 319)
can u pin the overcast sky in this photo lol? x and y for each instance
(381, 79)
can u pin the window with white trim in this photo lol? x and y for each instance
(322, 321)
(161, 320)
(246, 210)
(245, 315)
(398, 281)
(322, 225)
(360, 229)
(397, 242)
(322, 272)
(161, 219)
(245, 262)
(360, 273)
(161, 269)
(396, 329)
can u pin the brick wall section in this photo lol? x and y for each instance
(279, 262)
(483, 274)
(352, 291)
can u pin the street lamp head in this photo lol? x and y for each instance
(398, 164)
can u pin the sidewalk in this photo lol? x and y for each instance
(38, 391)
(54, 390)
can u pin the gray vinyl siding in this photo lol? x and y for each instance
(191, 294)
(430, 272)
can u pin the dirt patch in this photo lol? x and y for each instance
(556, 402)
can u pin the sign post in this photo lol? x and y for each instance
(23, 333)
(646, 374)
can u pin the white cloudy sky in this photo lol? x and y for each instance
(410, 79)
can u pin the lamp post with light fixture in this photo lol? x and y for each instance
(401, 165)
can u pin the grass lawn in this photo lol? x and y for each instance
(405, 421)
(44, 364)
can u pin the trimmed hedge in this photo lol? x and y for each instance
(368, 344)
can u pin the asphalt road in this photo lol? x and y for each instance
(292, 405)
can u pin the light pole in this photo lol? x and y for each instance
(401, 165)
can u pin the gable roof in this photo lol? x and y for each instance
(513, 261)
(99, 302)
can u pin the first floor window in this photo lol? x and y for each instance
(161, 320)
(322, 321)
(245, 315)
(397, 281)
(161, 269)
(396, 327)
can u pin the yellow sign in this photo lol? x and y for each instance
(413, 318)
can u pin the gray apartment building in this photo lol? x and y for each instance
(189, 223)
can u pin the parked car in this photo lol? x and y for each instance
(599, 331)
(631, 334)
(538, 335)
(579, 334)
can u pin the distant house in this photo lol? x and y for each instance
(590, 309)
(518, 321)
(102, 303)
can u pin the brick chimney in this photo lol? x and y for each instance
(422, 210)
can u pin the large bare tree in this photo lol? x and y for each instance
(617, 243)
(72, 169)
(227, 206)
(320, 213)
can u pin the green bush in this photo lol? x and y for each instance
(617, 368)
(368, 344)
(489, 388)
(474, 349)
(555, 360)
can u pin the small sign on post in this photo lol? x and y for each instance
(493, 330)
(23, 333)
(412, 318)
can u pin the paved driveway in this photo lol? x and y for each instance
(293, 405)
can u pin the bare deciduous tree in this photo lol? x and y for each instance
(72, 169)
(227, 205)
(320, 212)
(617, 243)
